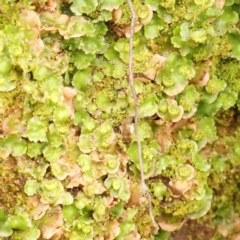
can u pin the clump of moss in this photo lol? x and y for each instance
(182, 207)
(11, 185)
(229, 71)
(11, 102)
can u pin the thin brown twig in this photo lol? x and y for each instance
(131, 82)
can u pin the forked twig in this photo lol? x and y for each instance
(131, 82)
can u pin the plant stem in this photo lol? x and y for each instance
(131, 82)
